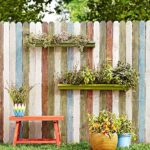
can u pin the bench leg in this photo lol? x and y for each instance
(57, 133)
(16, 133)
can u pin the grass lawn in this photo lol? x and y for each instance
(81, 146)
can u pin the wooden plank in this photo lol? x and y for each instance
(26, 76)
(129, 60)
(32, 82)
(142, 83)
(90, 65)
(38, 86)
(76, 93)
(115, 94)
(19, 61)
(83, 94)
(122, 56)
(45, 125)
(6, 103)
(135, 64)
(109, 39)
(96, 38)
(63, 102)
(70, 29)
(57, 65)
(51, 80)
(1, 79)
(12, 71)
(147, 89)
(102, 59)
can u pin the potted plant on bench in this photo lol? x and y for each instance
(103, 131)
(126, 131)
(18, 97)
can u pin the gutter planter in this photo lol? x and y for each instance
(104, 87)
(63, 44)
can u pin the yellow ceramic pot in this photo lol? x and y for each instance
(99, 141)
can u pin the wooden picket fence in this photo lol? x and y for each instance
(125, 41)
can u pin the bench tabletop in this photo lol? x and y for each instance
(38, 118)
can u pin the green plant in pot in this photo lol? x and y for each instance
(19, 97)
(126, 131)
(103, 131)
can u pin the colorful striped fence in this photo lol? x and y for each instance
(114, 41)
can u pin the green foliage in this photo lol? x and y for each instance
(123, 74)
(18, 95)
(126, 126)
(23, 10)
(47, 39)
(83, 76)
(105, 123)
(98, 10)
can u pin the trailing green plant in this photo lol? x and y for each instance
(18, 95)
(64, 37)
(125, 126)
(123, 74)
(105, 123)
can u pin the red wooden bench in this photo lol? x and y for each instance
(54, 119)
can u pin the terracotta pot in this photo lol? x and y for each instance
(99, 141)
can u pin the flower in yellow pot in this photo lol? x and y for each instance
(103, 130)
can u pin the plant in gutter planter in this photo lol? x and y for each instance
(103, 131)
(123, 75)
(18, 97)
(126, 131)
(47, 40)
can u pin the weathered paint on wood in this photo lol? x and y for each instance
(122, 56)
(63, 101)
(1, 80)
(102, 59)
(38, 86)
(129, 60)
(142, 83)
(115, 52)
(12, 71)
(26, 75)
(45, 125)
(96, 38)
(76, 93)
(135, 64)
(51, 80)
(147, 85)
(32, 82)
(6, 102)
(57, 65)
(19, 54)
(83, 94)
(109, 39)
(125, 45)
(70, 58)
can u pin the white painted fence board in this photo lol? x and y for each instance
(76, 93)
(129, 60)
(115, 94)
(96, 38)
(147, 83)
(6, 103)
